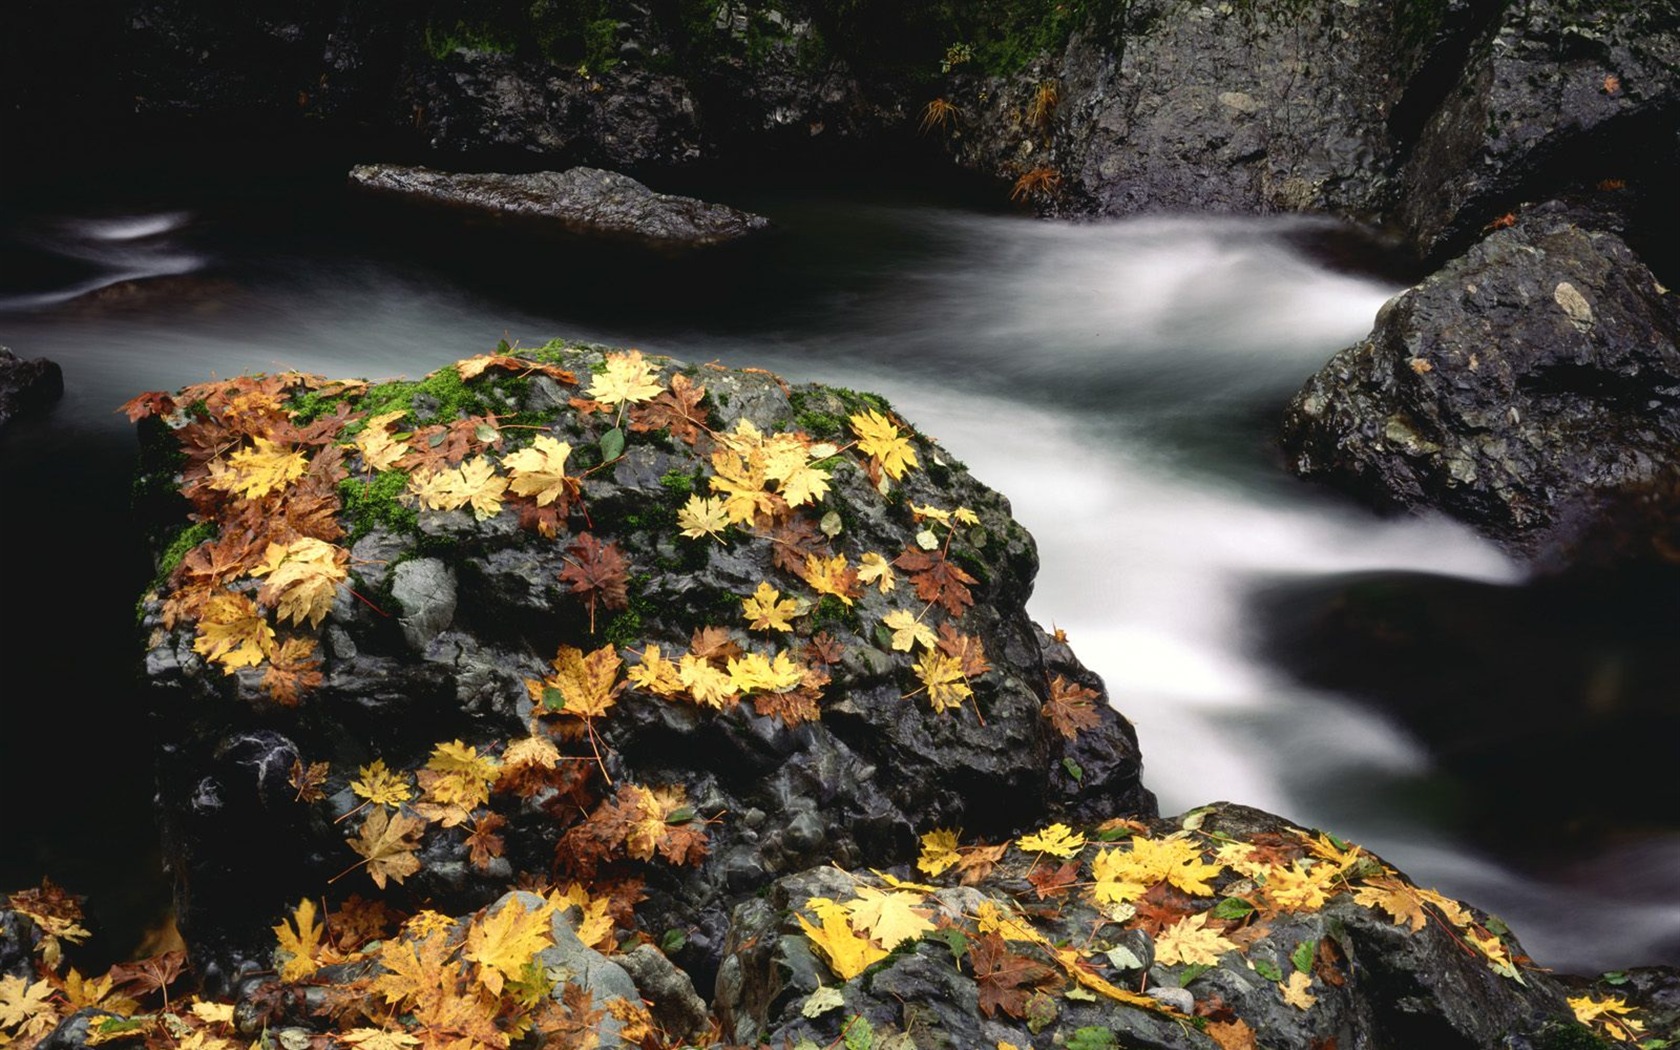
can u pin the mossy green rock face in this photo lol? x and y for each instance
(446, 627)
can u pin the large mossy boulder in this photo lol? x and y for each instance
(1531, 387)
(580, 618)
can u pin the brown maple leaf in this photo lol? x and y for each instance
(1004, 978)
(294, 667)
(792, 542)
(1162, 906)
(308, 780)
(1071, 708)
(677, 409)
(937, 579)
(597, 572)
(976, 862)
(713, 643)
(965, 649)
(145, 976)
(824, 648)
(150, 403)
(387, 844)
(483, 843)
(1053, 882)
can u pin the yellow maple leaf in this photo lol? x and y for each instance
(540, 471)
(767, 610)
(848, 953)
(627, 379)
(26, 1008)
(907, 630)
(1173, 859)
(942, 677)
(656, 674)
(595, 923)
(587, 684)
(505, 941)
(232, 632)
(255, 472)
(703, 516)
(455, 782)
(756, 673)
(740, 480)
(1190, 941)
(879, 439)
(474, 483)
(705, 683)
(1058, 840)
(213, 1013)
(876, 569)
(1396, 898)
(830, 576)
(303, 577)
(1294, 990)
(387, 843)
(300, 941)
(380, 786)
(939, 851)
(1300, 887)
(379, 447)
(1119, 878)
(1609, 1016)
(889, 917)
(82, 991)
(378, 1039)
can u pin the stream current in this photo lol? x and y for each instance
(1120, 382)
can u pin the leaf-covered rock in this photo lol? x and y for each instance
(673, 716)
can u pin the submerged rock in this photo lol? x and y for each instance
(27, 386)
(1526, 387)
(586, 201)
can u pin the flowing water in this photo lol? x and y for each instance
(1118, 381)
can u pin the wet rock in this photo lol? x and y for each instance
(857, 780)
(479, 100)
(1553, 95)
(585, 201)
(1527, 387)
(27, 386)
(1000, 961)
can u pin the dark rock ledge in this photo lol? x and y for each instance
(584, 201)
(466, 746)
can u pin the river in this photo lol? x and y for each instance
(1119, 381)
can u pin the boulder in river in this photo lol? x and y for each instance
(583, 201)
(681, 629)
(27, 386)
(1530, 387)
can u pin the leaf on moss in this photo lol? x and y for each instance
(677, 409)
(627, 379)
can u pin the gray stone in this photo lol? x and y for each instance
(425, 587)
(586, 201)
